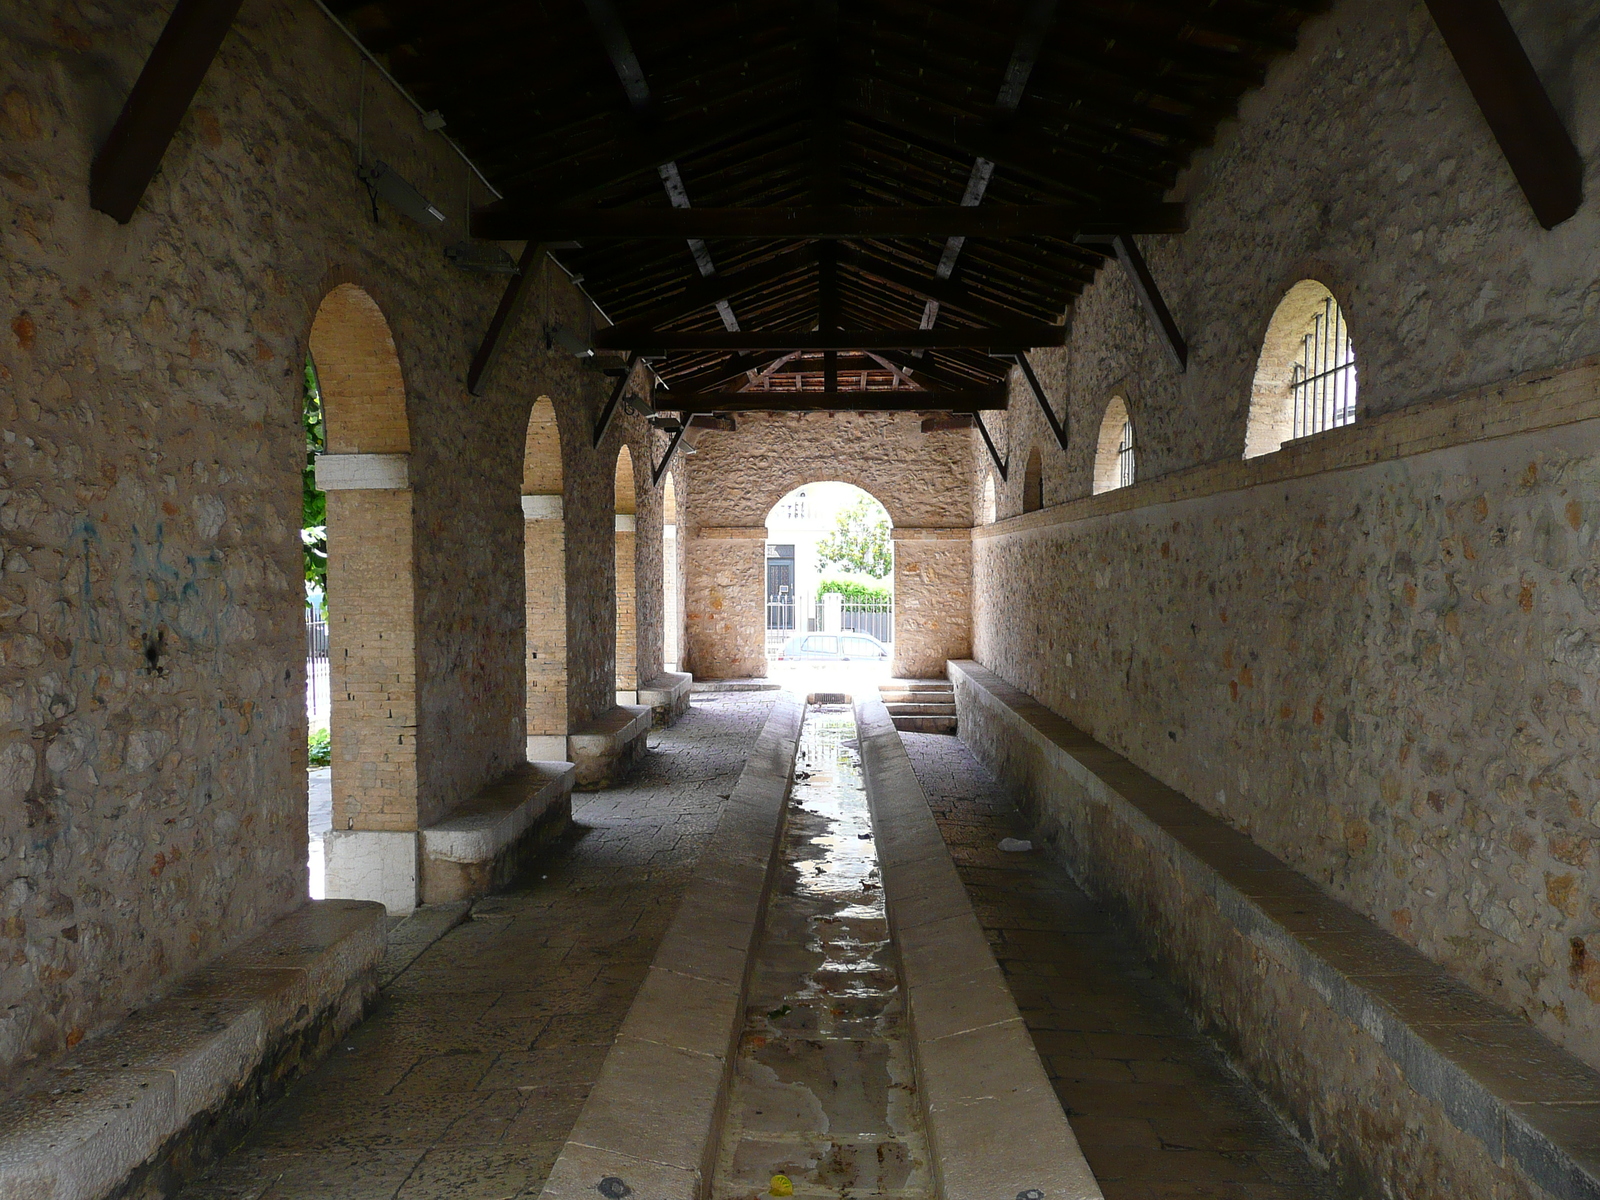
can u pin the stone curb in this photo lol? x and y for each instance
(652, 1123)
(995, 1125)
(120, 1103)
(1533, 1106)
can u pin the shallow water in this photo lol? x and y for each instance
(823, 1091)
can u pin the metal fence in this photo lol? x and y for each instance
(788, 615)
(316, 665)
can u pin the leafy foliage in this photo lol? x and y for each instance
(851, 590)
(319, 748)
(314, 518)
(860, 541)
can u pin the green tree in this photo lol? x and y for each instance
(314, 514)
(860, 541)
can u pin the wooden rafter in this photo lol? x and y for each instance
(998, 338)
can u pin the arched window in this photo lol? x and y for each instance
(986, 512)
(1306, 376)
(544, 570)
(1113, 457)
(1033, 483)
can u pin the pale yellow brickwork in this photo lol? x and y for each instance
(372, 656)
(627, 571)
(544, 568)
(371, 591)
(363, 393)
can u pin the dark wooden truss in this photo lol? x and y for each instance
(761, 196)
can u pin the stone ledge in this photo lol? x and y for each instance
(667, 696)
(1219, 909)
(603, 750)
(654, 1117)
(164, 1093)
(735, 685)
(995, 1126)
(481, 845)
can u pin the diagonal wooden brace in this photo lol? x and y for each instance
(1002, 466)
(658, 473)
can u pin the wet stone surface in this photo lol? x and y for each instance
(823, 1092)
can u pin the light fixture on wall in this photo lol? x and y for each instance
(487, 258)
(385, 183)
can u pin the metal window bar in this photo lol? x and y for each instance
(1125, 455)
(1323, 385)
(316, 661)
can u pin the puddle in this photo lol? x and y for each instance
(823, 1091)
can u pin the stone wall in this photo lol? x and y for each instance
(1370, 650)
(152, 727)
(735, 478)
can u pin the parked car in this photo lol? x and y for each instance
(833, 647)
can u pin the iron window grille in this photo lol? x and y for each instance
(1125, 455)
(1323, 386)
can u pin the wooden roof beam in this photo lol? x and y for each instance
(1005, 338)
(899, 400)
(1066, 222)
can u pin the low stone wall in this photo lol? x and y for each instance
(1409, 1082)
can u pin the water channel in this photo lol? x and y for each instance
(822, 1093)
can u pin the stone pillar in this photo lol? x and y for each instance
(544, 567)
(372, 850)
(627, 610)
(724, 608)
(932, 600)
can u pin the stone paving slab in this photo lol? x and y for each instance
(470, 1074)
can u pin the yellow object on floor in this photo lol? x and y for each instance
(781, 1186)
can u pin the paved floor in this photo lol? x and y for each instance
(468, 1077)
(1158, 1113)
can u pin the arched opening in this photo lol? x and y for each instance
(671, 580)
(1305, 379)
(626, 507)
(370, 851)
(544, 574)
(1113, 454)
(986, 510)
(1033, 483)
(829, 578)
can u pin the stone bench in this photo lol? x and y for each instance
(667, 696)
(483, 843)
(603, 750)
(1406, 1079)
(152, 1101)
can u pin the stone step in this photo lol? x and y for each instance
(921, 710)
(916, 685)
(925, 724)
(928, 696)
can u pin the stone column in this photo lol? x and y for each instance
(544, 567)
(372, 850)
(627, 610)
(932, 600)
(724, 608)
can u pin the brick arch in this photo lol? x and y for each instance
(626, 497)
(544, 587)
(371, 602)
(358, 370)
(542, 472)
(805, 483)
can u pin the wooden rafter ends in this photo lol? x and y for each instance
(1515, 104)
(1064, 221)
(128, 161)
(973, 400)
(1020, 335)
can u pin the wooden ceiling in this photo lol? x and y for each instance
(915, 183)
